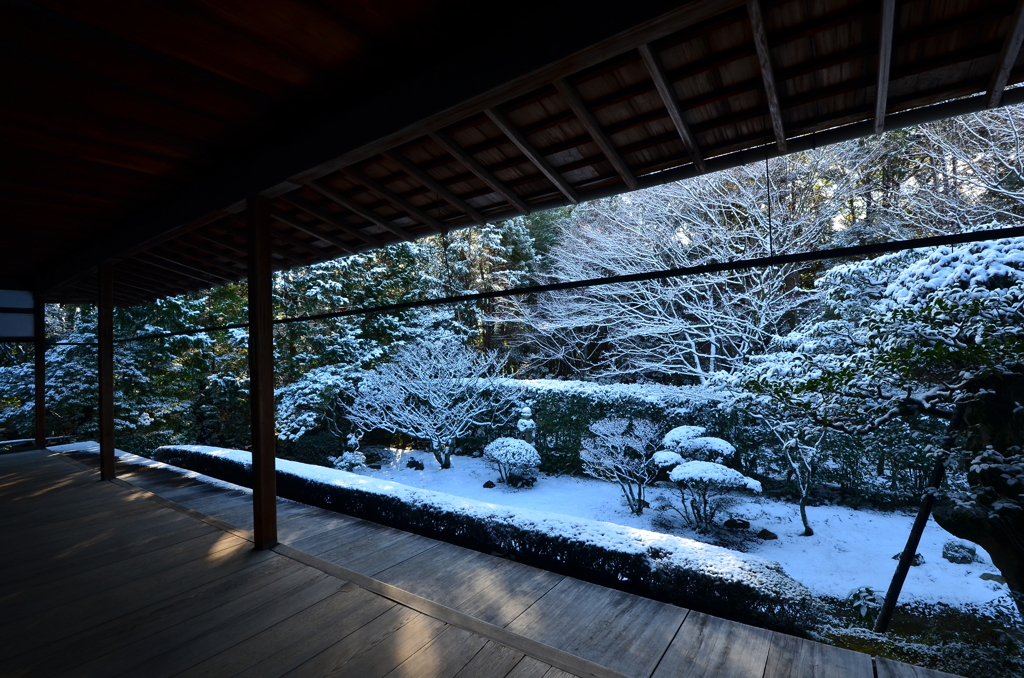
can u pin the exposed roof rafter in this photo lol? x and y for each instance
(668, 97)
(764, 58)
(470, 163)
(320, 213)
(1007, 58)
(315, 232)
(356, 208)
(413, 170)
(520, 140)
(593, 127)
(884, 61)
(395, 199)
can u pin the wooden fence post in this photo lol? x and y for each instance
(261, 374)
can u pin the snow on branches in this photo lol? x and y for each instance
(435, 390)
(619, 452)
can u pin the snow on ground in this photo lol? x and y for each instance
(850, 548)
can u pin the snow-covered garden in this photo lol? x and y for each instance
(766, 434)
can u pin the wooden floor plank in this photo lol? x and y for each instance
(378, 550)
(295, 640)
(890, 669)
(442, 657)
(99, 641)
(208, 634)
(52, 624)
(623, 632)
(534, 668)
(792, 657)
(367, 640)
(494, 659)
(708, 647)
(492, 589)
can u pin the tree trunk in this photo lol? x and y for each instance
(995, 420)
(808, 532)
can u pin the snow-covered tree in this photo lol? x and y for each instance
(436, 391)
(693, 326)
(619, 450)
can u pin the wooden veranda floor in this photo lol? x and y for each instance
(154, 575)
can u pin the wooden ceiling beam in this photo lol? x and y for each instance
(481, 172)
(200, 257)
(667, 93)
(764, 58)
(398, 201)
(884, 61)
(520, 140)
(179, 268)
(413, 170)
(290, 239)
(236, 261)
(356, 208)
(315, 232)
(319, 212)
(593, 127)
(1007, 58)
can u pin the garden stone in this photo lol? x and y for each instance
(959, 552)
(489, 484)
(988, 576)
(918, 559)
(737, 524)
(767, 535)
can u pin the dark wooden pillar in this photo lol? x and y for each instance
(261, 374)
(105, 338)
(39, 336)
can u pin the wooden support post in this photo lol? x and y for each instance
(261, 374)
(884, 61)
(39, 337)
(105, 339)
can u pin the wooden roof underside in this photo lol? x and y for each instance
(133, 132)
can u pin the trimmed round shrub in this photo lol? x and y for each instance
(516, 461)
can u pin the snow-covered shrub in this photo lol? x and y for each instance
(665, 459)
(516, 461)
(703, 488)
(866, 603)
(689, 442)
(619, 451)
(672, 569)
(348, 461)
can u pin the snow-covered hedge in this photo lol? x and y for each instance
(681, 571)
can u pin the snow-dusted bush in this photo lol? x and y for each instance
(664, 459)
(689, 442)
(348, 461)
(619, 451)
(680, 571)
(516, 461)
(703, 488)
